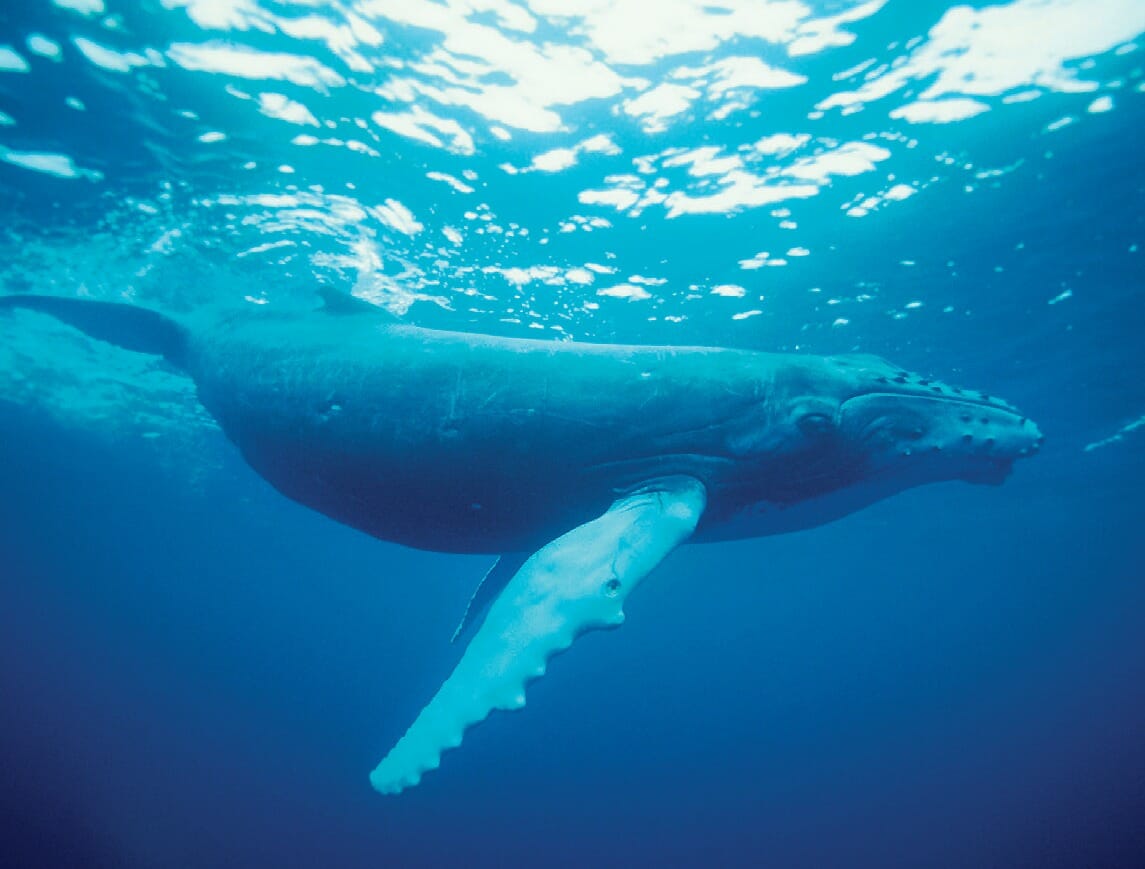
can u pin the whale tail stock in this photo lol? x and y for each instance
(126, 326)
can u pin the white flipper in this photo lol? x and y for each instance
(574, 584)
(491, 585)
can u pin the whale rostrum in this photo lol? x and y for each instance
(580, 465)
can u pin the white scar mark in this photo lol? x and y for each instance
(1119, 435)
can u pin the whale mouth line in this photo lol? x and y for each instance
(941, 398)
(992, 474)
(988, 429)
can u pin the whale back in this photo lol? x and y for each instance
(457, 442)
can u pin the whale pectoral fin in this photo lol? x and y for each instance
(491, 584)
(127, 326)
(574, 584)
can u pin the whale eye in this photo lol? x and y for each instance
(816, 424)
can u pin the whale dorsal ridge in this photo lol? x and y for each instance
(335, 302)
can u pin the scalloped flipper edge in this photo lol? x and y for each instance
(574, 584)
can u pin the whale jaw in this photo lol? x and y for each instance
(930, 438)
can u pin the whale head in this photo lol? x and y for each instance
(895, 423)
(840, 432)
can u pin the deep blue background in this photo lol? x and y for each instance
(203, 675)
(952, 678)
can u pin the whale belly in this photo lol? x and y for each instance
(461, 443)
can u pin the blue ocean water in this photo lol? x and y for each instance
(195, 671)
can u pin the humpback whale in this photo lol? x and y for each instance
(581, 466)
